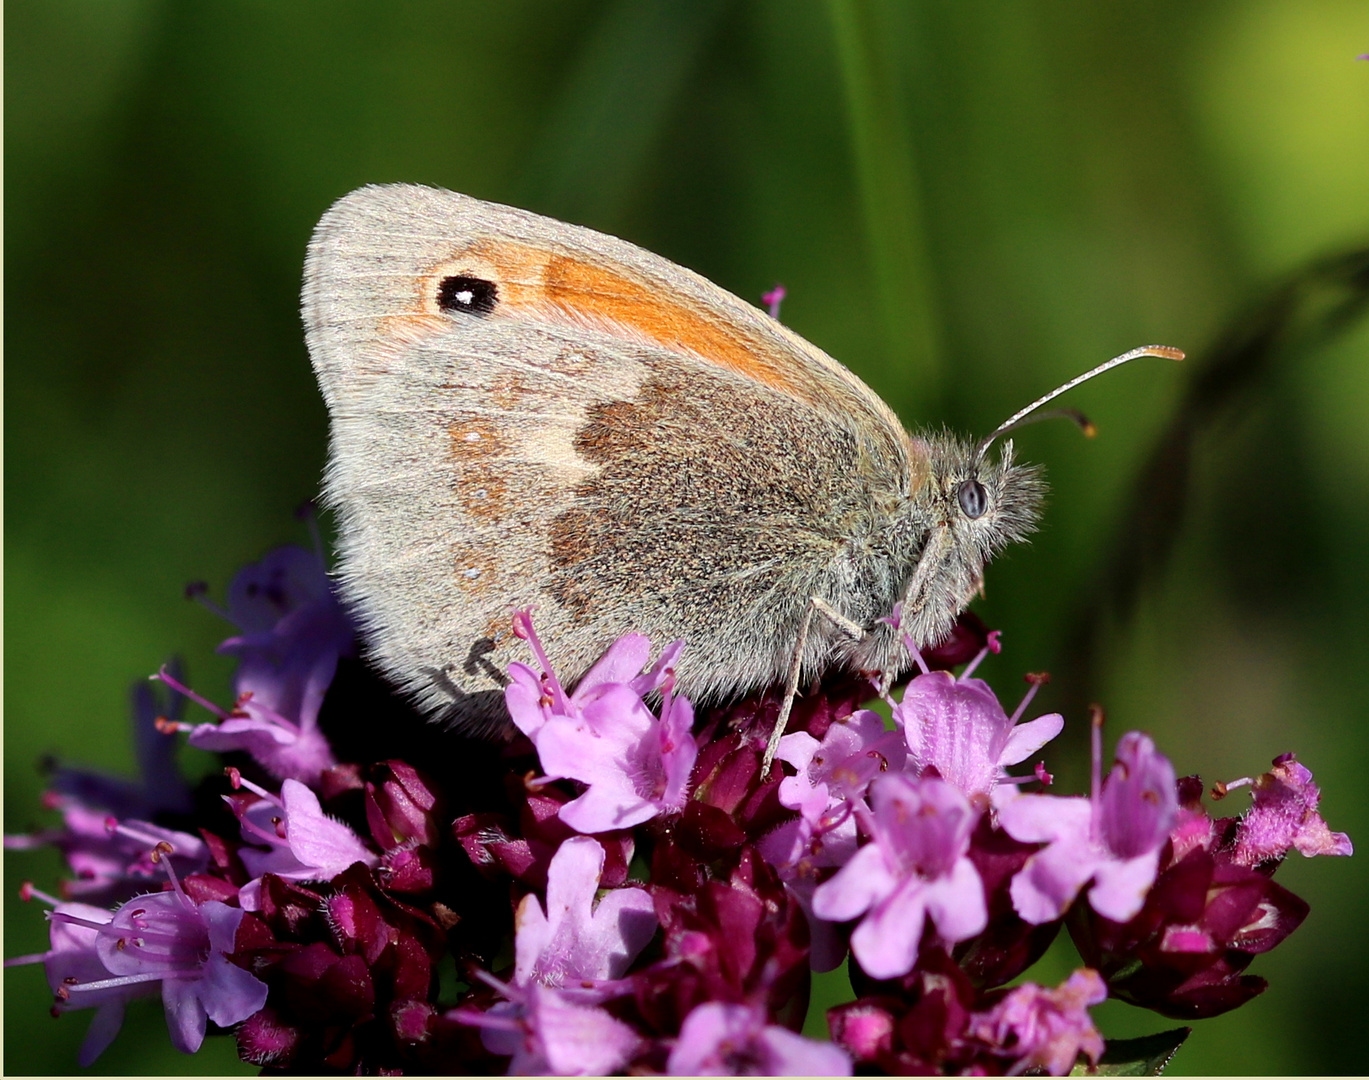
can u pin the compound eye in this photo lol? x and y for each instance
(974, 500)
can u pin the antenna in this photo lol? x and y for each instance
(1019, 418)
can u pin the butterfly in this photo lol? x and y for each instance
(527, 413)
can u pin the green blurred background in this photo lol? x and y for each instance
(969, 202)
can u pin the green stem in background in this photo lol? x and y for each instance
(891, 203)
(1309, 309)
(615, 104)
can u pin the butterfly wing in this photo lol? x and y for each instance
(529, 413)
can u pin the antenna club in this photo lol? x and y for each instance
(1090, 430)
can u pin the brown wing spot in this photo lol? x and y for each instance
(500, 629)
(482, 492)
(509, 392)
(476, 438)
(475, 568)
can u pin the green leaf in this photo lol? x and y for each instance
(1146, 1056)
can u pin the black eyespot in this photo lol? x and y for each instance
(974, 500)
(473, 295)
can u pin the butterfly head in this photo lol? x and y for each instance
(972, 505)
(970, 508)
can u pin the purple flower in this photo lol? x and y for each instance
(1113, 839)
(293, 633)
(72, 964)
(914, 866)
(1044, 1029)
(799, 852)
(549, 1034)
(1283, 815)
(111, 859)
(575, 942)
(735, 1040)
(294, 630)
(1204, 920)
(634, 765)
(836, 771)
(832, 775)
(303, 843)
(159, 787)
(535, 696)
(957, 727)
(101, 961)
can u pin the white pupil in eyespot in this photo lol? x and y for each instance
(465, 296)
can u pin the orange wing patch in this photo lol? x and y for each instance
(546, 285)
(581, 288)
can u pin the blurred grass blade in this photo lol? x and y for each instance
(890, 198)
(615, 103)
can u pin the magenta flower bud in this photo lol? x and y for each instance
(1284, 817)
(1044, 1029)
(401, 807)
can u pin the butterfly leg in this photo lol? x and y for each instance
(816, 606)
(933, 555)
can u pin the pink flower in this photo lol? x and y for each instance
(634, 765)
(576, 942)
(1044, 1029)
(302, 842)
(72, 962)
(833, 773)
(735, 1040)
(111, 859)
(957, 727)
(1112, 839)
(1205, 919)
(914, 866)
(547, 1033)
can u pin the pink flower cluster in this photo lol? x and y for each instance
(623, 888)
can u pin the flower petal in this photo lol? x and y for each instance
(956, 902)
(185, 1013)
(861, 883)
(1026, 739)
(1121, 886)
(886, 941)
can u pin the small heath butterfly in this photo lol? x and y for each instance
(529, 413)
